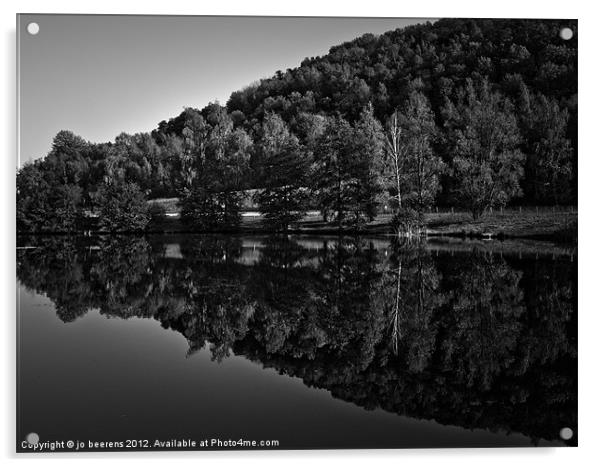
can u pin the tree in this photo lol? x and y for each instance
(524, 60)
(213, 200)
(549, 161)
(66, 162)
(412, 295)
(123, 207)
(195, 136)
(229, 170)
(484, 138)
(171, 150)
(309, 128)
(328, 171)
(365, 167)
(346, 171)
(412, 167)
(45, 206)
(65, 204)
(380, 69)
(125, 162)
(32, 202)
(200, 209)
(284, 166)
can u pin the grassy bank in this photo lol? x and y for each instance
(535, 223)
(524, 223)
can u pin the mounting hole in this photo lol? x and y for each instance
(566, 433)
(33, 28)
(566, 34)
(32, 438)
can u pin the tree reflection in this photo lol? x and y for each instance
(481, 328)
(415, 281)
(58, 269)
(470, 339)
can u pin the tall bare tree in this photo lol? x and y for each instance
(413, 167)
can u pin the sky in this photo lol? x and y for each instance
(99, 76)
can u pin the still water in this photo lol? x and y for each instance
(310, 342)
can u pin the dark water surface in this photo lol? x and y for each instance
(313, 342)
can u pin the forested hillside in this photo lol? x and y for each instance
(469, 113)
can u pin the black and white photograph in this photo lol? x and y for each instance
(295, 233)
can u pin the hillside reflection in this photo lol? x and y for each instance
(471, 339)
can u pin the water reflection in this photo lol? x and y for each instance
(471, 339)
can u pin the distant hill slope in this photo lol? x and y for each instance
(510, 53)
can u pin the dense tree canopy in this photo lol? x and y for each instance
(283, 170)
(346, 179)
(483, 141)
(122, 207)
(213, 167)
(518, 76)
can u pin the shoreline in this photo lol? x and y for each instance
(547, 225)
(507, 246)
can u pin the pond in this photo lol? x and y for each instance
(303, 342)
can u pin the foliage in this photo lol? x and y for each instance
(284, 168)
(50, 192)
(346, 172)
(123, 207)
(334, 107)
(211, 198)
(32, 209)
(203, 209)
(365, 166)
(549, 166)
(43, 207)
(413, 169)
(328, 176)
(484, 139)
(511, 54)
(65, 203)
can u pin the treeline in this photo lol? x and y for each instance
(475, 339)
(468, 113)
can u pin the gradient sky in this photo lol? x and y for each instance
(100, 75)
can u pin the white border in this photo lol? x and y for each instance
(590, 170)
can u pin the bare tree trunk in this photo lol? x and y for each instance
(393, 149)
(395, 319)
